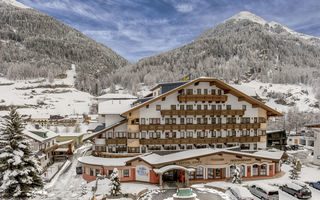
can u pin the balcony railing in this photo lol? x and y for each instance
(116, 141)
(243, 139)
(203, 112)
(202, 97)
(162, 127)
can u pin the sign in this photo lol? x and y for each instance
(217, 159)
(241, 160)
(142, 173)
(188, 162)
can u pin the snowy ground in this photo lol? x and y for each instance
(307, 174)
(52, 170)
(63, 100)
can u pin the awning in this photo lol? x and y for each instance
(171, 167)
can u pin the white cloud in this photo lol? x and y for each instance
(184, 8)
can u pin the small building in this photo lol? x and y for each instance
(185, 166)
(75, 137)
(115, 96)
(40, 119)
(316, 149)
(43, 143)
(64, 149)
(277, 139)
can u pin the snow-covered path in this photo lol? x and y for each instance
(68, 185)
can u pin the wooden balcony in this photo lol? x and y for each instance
(162, 127)
(52, 148)
(243, 139)
(202, 97)
(116, 141)
(203, 112)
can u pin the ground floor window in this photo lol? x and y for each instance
(97, 172)
(218, 173)
(255, 170)
(242, 171)
(232, 170)
(263, 171)
(126, 173)
(110, 172)
(91, 172)
(210, 173)
(199, 172)
(191, 175)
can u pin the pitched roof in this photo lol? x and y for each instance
(90, 136)
(40, 134)
(219, 84)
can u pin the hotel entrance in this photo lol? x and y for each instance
(171, 176)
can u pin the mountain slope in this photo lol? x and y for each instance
(33, 44)
(242, 48)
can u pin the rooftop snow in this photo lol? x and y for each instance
(245, 15)
(29, 131)
(117, 96)
(114, 106)
(116, 162)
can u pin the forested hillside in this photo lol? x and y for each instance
(33, 44)
(242, 48)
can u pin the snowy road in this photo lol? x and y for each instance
(68, 185)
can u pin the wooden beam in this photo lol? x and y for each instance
(241, 98)
(211, 83)
(255, 106)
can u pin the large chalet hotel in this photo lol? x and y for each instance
(190, 127)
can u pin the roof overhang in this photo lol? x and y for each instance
(220, 84)
(171, 167)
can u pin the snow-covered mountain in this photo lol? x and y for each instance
(39, 97)
(14, 3)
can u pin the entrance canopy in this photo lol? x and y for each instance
(171, 167)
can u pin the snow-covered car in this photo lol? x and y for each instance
(315, 185)
(300, 192)
(241, 193)
(264, 191)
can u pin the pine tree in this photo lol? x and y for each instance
(294, 172)
(115, 183)
(18, 167)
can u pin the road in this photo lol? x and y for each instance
(68, 185)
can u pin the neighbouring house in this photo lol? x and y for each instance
(316, 149)
(65, 148)
(186, 166)
(43, 143)
(115, 96)
(277, 139)
(75, 137)
(41, 119)
(54, 120)
(201, 113)
(304, 138)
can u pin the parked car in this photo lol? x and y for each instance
(241, 193)
(79, 168)
(315, 185)
(300, 192)
(264, 191)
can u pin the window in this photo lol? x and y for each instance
(158, 107)
(181, 107)
(213, 107)
(143, 121)
(255, 120)
(97, 172)
(181, 120)
(205, 120)
(154, 120)
(219, 92)
(198, 107)
(198, 91)
(189, 91)
(199, 173)
(213, 120)
(173, 107)
(189, 135)
(213, 92)
(170, 120)
(198, 120)
(213, 133)
(189, 107)
(219, 121)
(91, 172)
(189, 120)
(218, 173)
(228, 107)
(110, 172)
(210, 173)
(191, 174)
(143, 135)
(205, 91)
(244, 107)
(205, 107)
(219, 107)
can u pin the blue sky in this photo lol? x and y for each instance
(141, 28)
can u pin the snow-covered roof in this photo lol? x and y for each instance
(114, 106)
(160, 159)
(61, 150)
(64, 142)
(40, 134)
(116, 96)
(40, 116)
(93, 126)
(242, 192)
(116, 162)
(269, 154)
(71, 134)
(169, 167)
